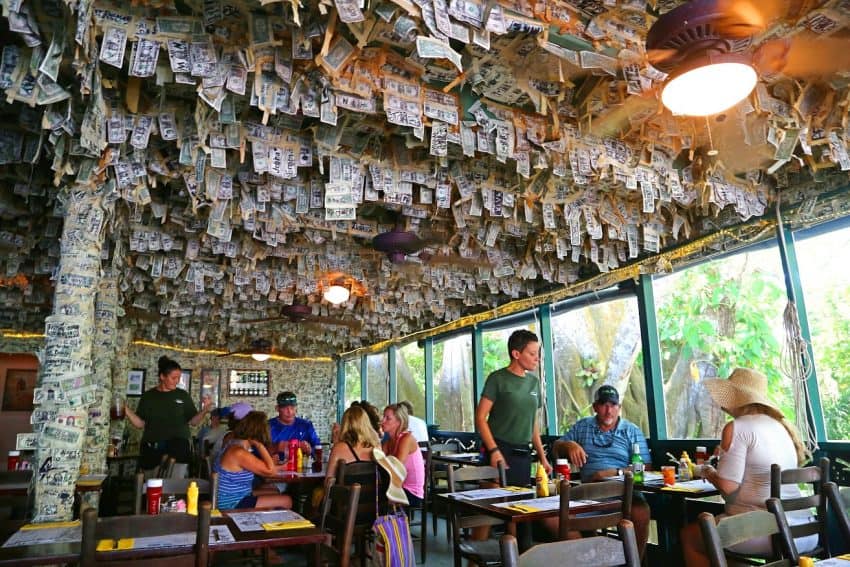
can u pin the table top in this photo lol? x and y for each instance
(473, 459)
(69, 552)
(487, 506)
(693, 489)
(298, 476)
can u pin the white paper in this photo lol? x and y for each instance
(482, 493)
(253, 521)
(548, 503)
(43, 536)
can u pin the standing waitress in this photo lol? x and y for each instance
(165, 413)
(506, 416)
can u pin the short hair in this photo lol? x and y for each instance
(407, 405)
(372, 412)
(357, 428)
(519, 340)
(167, 366)
(254, 426)
(401, 413)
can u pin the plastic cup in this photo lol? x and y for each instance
(116, 408)
(154, 493)
(669, 475)
(13, 460)
(317, 458)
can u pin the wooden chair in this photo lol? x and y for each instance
(594, 491)
(485, 553)
(207, 490)
(425, 448)
(339, 513)
(815, 477)
(120, 527)
(840, 510)
(738, 528)
(373, 481)
(437, 476)
(599, 551)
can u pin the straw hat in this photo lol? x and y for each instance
(397, 472)
(744, 386)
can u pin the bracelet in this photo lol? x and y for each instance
(491, 451)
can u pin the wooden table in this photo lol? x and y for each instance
(15, 483)
(487, 506)
(466, 459)
(70, 552)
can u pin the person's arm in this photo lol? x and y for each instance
(312, 439)
(334, 458)
(538, 446)
(133, 418)
(710, 474)
(264, 465)
(408, 446)
(206, 404)
(570, 449)
(481, 413)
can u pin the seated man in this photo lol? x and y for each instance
(287, 425)
(602, 446)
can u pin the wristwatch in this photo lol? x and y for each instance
(619, 472)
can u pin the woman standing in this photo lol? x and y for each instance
(758, 436)
(402, 445)
(236, 466)
(165, 412)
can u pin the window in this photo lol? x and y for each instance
(827, 294)
(454, 406)
(410, 376)
(377, 380)
(712, 318)
(594, 345)
(352, 381)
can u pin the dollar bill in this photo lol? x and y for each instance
(53, 58)
(178, 55)
(343, 213)
(167, 126)
(8, 64)
(113, 46)
(26, 441)
(349, 11)
(62, 436)
(143, 58)
(430, 48)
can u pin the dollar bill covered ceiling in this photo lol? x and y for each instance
(249, 153)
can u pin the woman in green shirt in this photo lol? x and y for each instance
(165, 412)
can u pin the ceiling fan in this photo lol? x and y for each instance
(300, 313)
(261, 350)
(400, 246)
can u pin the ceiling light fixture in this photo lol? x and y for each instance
(260, 357)
(336, 294)
(711, 84)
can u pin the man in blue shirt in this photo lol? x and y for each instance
(602, 446)
(287, 425)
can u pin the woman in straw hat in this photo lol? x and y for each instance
(758, 436)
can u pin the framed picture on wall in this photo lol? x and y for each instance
(136, 382)
(210, 378)
(185, 382)
(18, 390)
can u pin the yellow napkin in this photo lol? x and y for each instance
(845, 556)
(517, 489)
(679, 488)
(215, 513)
(70, 524)
(290, 525)
(523, 508)
(109, 544)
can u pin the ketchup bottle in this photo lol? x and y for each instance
(292, 464)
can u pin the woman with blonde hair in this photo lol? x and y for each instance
(402, 445)
(356, 437)
(758, 436)
(242, 457)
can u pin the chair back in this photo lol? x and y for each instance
(736, 529)
(814, 477)
(840, 509)
(207, 490)
(446, 448)
(598, 551)
(460, 474)
(594, 491)
(121, 527)
(338, 517)
(366, 474)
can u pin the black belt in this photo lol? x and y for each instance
(515, 448)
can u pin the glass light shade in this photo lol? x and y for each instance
(337, 294)
(260, 357)
(709, 89)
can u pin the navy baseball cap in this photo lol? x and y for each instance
(606, 394)
(287, 399)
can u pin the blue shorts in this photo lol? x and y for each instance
(249, 501)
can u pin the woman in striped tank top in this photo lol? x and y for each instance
(237, 464)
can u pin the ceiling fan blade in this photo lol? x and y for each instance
(265, 320)
(353, 325)
(624, 117)
(804, 56)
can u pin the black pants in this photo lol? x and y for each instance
(151, 452)
(518, 462)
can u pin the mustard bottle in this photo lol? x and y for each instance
(299, 463)
(192, 499)
(542, 482)
(806, 561)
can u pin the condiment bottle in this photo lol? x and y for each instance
(562, 467)
(700, 456)
(292, 464)
(542, 482)
(192, 499)
(299, 461)
(637, 463)
(154, 495)
(685, 472)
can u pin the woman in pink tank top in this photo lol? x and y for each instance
(402, 445)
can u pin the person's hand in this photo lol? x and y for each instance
(206, 403)
(305, 447)
(496, 457)
(576, 454)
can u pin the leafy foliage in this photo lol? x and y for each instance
(830, 329)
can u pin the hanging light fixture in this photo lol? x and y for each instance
(336, 294)
(260, 356)
(710, 70)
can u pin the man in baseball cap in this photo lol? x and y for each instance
(601, 445)
(287, 425)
